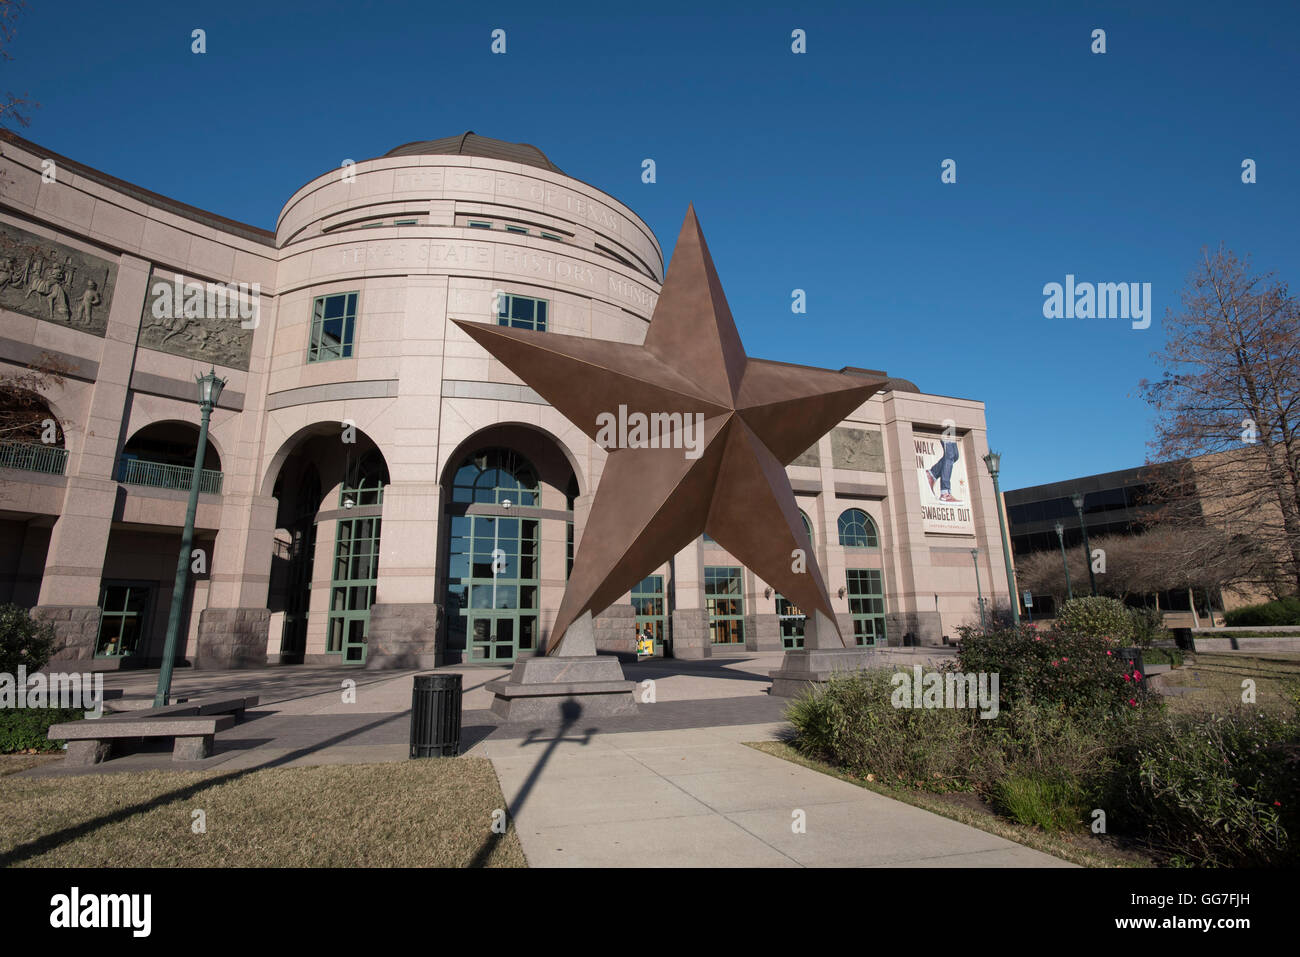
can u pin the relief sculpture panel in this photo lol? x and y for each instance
(212, 322)
(47, 280)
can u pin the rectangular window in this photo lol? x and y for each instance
(517, 229)
(122, 613)
(724, 597)
(522, 312)
(867, 605)
(333, 325)
(792, 622)
(477, 224)
(406, 222)
(371, 225)
(552, 236)
(352, 587)
(648, 601)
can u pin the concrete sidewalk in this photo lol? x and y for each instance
(701, 798)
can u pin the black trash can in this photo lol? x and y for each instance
(435, 716)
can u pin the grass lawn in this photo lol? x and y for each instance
(1085, 850)
(1215, 679)
(427, 813)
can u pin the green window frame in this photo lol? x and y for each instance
(552, 236)
(866, 591)
(650, 603)
(792, 621)
(493, 476)
(406, 222)
(522, 312)
(123, 615)
(517, 229)
(857, 530)
(724, 597)
(478, 224)
(352, 587)
(333, 327)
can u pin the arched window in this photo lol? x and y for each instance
(807, 526)
(857, 530)
(495, 475)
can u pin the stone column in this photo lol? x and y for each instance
(234, 626)
(404, 620)
(690, 617)
(69, 594)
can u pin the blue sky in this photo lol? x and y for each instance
(818, 171)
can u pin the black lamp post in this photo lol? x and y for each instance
(993, 461)
(1077, 499)
(210, 387)
(975, 557)
(1060, 537)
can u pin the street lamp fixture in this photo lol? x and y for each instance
(209, 388)
(993, 461)
(1077, 499)
(979, 592)
(1060, 538)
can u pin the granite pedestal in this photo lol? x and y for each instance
(546, 687)
(822, 655)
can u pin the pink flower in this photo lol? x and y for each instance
(1108, 654)
(1065, 659)
(1132, 702)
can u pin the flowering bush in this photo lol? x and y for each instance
(24, 640)
(1070, 670)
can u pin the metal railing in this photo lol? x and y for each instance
(46, 459)
(158, 475)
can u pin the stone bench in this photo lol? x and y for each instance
(91, 741)
(199, 707)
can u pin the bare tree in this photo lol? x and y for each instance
(1163, 558)
(13, 108)
(1228, 408)
(24, 415)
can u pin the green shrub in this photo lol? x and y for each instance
(1096, 618)
(1071, 670)
(1054, 804)
(1215, 790)
(1149, 627)
(24, 729)
(1162, 656)
(1273, 613)
(852, 723)
(24, 641)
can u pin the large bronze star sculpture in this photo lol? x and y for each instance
(758, 416)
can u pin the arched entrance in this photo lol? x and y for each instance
(509, 496)
(325, 565)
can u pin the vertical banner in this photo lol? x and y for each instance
(945, 491)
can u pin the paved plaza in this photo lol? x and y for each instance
(673, 785)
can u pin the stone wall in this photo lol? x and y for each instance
(913, 628)
(403, 636)
(691, 633)
(76, 627)
(616, 629)
(763, 632)
(231, 638)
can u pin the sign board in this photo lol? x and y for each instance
(945, 490)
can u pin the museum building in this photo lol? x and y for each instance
(375, 489)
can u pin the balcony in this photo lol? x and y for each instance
(158, 475)
(46, 459)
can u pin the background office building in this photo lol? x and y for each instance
(367, 459)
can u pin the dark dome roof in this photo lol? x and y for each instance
(470, 143)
